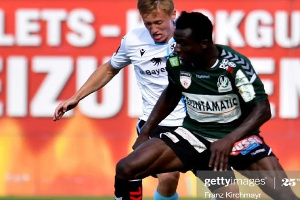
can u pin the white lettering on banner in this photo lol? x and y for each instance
(59, 70)
(133, 19)
(227, 30)
(28, 27)
(54, 18)
(84, 34)
(283, 29)
(112, 93)
(258, 28)
(262, 28)
(289, 88)
(258, 32)
(17, 86)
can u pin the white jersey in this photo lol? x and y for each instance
(149, 60)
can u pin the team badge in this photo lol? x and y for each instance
(224, 84)
(185, 79)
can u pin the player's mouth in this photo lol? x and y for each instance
(157, 37)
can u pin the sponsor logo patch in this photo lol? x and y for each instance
(212, 108)
(185, 79)
(244, 146)
(202, 76)
(156, 61)
(226, 63)
(258, 151)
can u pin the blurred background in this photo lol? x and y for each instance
(49, 48)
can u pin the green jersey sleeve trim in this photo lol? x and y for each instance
(174, 61)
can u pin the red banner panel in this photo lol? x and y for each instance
(49, 48)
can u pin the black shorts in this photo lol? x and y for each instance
(249, 150)
(187, 154)
(194, 150)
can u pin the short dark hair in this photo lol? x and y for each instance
(200, 24)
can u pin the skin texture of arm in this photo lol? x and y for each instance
(98, 79)
(163, 107)
(221, 149)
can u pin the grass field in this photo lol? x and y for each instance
(84, 198)
(71, 198)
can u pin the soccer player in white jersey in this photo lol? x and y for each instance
(146, 49)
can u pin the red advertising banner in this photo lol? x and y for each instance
(49, 48)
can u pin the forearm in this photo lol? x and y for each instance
(98, 79)
(260, 114)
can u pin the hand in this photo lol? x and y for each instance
(64, 107)
(141, 139)
(220, 151)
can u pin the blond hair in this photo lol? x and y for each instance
(150, 6)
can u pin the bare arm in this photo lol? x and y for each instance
(98, 79)
(221, 149)
(163, 107)
(260, 114)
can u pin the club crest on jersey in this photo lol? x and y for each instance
(185, 79)
(224, 84)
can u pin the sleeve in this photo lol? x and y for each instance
(172, 71)
(120, 58)
(249, 85)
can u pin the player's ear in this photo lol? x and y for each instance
(173, 15)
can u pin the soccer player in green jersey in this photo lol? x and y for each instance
(225, 106)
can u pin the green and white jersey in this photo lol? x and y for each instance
(218, 99)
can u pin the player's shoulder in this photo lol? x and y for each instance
(138, 35)
(230, 54)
